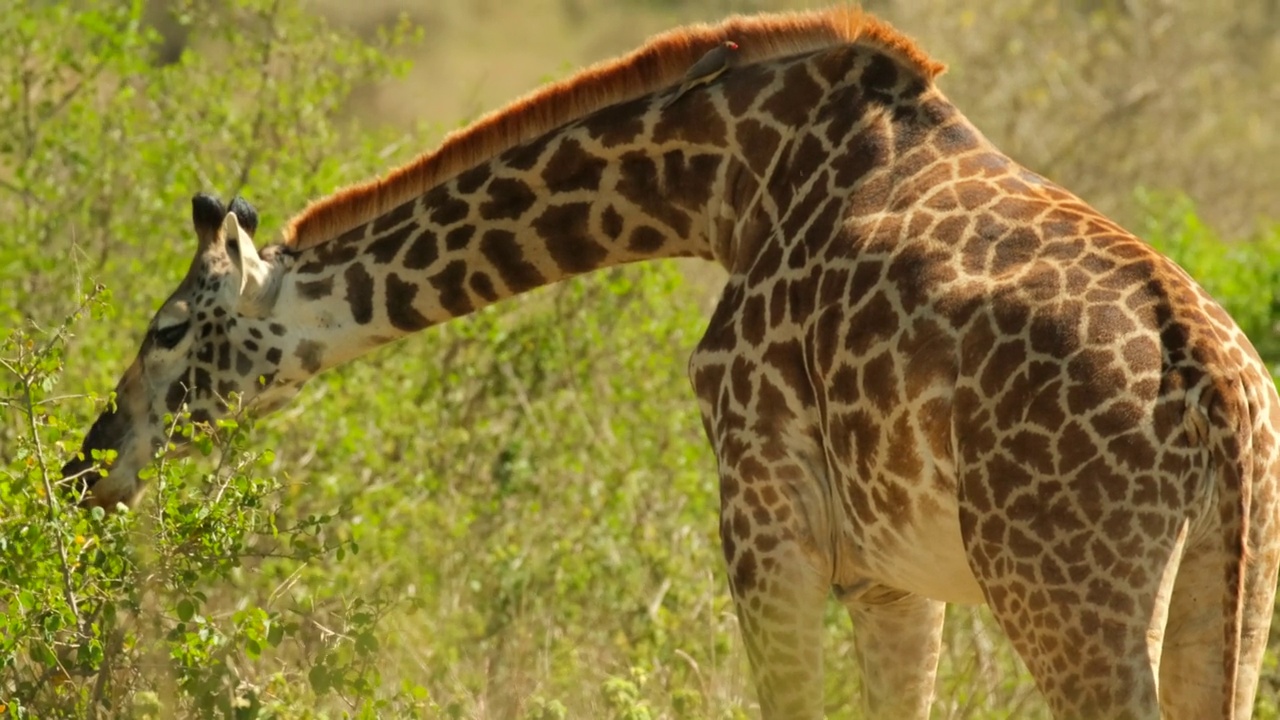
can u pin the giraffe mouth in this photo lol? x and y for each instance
(81, 473)
(78, 478)
(111, 478)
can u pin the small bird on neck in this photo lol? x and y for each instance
(709, 67)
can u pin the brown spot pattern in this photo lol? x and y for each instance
(359, 293)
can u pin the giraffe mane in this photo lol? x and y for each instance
(660, 62)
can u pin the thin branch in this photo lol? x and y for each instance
(264, 77)
(52, 507)
(61, 333)
(115, 643)
(28, 196)
(50, 504)
(1133, 99)
(61, 103)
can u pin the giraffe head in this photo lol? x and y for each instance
(214, 338)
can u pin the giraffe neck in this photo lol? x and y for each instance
(723, 174)
(574, 201)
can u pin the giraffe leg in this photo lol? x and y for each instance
(1087, 617)
(1089, 662)
(899, 639)
(780, 591)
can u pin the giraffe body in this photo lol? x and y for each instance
(933, 376)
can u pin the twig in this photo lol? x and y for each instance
(1132, 99)
(21, 192)
(288, 582)
(260, 118)
(61, 103)
(50, 505)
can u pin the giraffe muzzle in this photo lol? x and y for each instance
(80, 473)
(78, 478)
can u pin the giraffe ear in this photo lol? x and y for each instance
(259, 282)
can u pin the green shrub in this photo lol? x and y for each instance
(1243, 275)
(147, 614)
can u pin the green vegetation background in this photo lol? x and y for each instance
(513, 515)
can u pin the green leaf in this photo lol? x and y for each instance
(275, 634)
(318, 677)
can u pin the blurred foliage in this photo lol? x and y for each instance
(511, 516)
(1244, 276)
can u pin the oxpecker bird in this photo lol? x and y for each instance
(708, 68)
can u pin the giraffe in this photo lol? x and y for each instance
(933, 376)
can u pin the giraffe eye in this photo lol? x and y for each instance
(169, 337)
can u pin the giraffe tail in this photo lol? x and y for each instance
(1225, 411)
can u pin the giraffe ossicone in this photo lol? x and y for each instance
(933, 376)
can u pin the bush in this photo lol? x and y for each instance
(102, 145)
(1243, 275)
